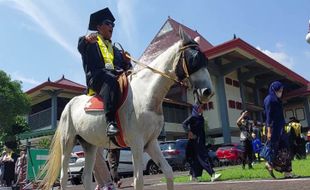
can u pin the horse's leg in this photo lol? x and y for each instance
(67, 144)
(137, 155)
(154, 151)
(90, 157)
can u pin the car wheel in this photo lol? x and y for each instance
(75, 181)
(152, 168)
(216, 162)
(187, 166)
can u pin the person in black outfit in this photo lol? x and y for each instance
(245, 138)
(196, 150)
(9, 160)
(102, 63)
(113, 158)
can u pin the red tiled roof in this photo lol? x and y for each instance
(240, 44)
(65, 81)
(303, 91)
(160, 43)
(62, 83)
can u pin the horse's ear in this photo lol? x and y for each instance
(185, 37)
(197, 39)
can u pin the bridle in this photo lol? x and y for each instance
(184, 66)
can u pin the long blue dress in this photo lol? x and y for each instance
(280, 155)
(196, 151)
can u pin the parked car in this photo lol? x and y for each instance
(75, 169)
(125, 168)
(174, 152)
(230, 154)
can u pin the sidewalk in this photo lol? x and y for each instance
(153, 182)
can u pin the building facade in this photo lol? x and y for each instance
(240, 74)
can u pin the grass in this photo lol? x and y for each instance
(300, 168)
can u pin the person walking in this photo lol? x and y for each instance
(102, 173)
(2, 168)
(196, 151)
(246, 138)
(9, 160)
(257, 147)
(279, 158)
(21, 169)
(113, 158)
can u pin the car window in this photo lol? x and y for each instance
(168, 146)
(77, 148)
(73, 159)
(181, 144)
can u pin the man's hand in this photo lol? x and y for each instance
(126, 56)
(268, 133)
(191, 135)
(268, 136)
(91, 38)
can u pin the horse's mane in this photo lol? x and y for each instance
(172, 54)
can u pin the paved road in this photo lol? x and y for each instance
(153, 183)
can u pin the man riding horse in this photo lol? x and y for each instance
(102, 63)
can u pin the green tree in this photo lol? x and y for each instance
(13, 104)
(45, 143)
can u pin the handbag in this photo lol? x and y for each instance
(266, 152)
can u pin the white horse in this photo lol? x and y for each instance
(141, 116)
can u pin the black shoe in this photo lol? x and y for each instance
(112, 129)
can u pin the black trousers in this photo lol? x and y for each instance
(106, 86)
(113, 159)
(248, 152)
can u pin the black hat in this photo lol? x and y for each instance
(98, 17)
(10, 144)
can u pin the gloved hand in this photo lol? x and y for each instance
(126, 55)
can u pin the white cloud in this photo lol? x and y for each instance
(39, 17)
(279, 56)
(25, 80)
(126, 12)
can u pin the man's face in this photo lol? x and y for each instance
(106, 29)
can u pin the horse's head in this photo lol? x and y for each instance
(193, 66)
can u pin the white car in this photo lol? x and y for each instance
(125, 168)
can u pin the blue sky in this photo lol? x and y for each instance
(39, 38)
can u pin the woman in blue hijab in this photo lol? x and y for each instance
(196, 150)
(279, 158)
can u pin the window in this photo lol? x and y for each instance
(211, 106)
(300, 114)
(205, 106)
(232, 104)
(228, 81)
(174, 113)
(165, 29)
(236, 83)
(239, 105)
(289, 113)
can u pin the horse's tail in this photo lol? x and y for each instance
(52, 167)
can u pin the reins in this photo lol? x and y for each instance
(184, 66)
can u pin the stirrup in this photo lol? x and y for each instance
(113, 131)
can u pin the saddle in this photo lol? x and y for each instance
(96, 103)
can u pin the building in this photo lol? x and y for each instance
(240, 74)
